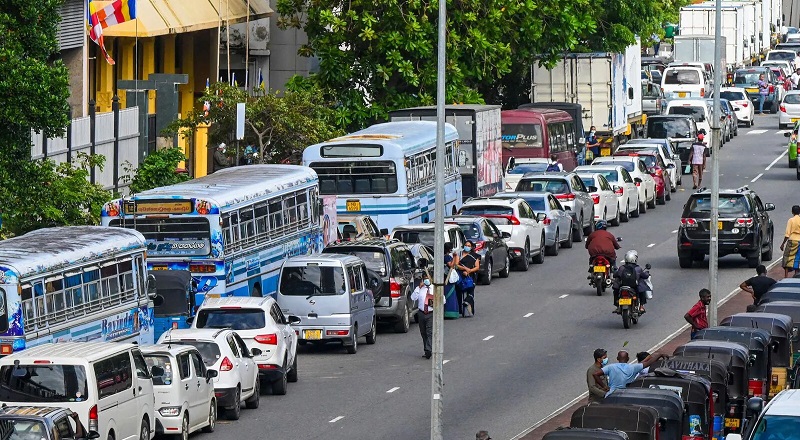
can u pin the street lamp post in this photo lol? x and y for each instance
(713, 263)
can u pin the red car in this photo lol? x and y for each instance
(657, 169)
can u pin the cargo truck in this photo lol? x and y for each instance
(738, 30)
(696, 48)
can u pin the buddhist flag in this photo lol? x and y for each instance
(119, 11)
(95, 30)
(261, 84)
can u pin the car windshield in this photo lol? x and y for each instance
(669, 128)
(792, 98)
(624, 164)
(523, 168)
(22, 429)
(413, 237)
(43, 383)
(788, 56)
(695, 112)
(312, 279)
(373, 258)
(610, 175)
(209, 351)
(729, 206)
(479, 210)
(521, 135)
(748, 78)
(650, 91)
(234, 318)
(733, 96)
(777, 427)
(681, 76)
(162, 361)
(555, 186)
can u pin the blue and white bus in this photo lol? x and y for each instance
(387, 171)
(77, 283)
(231, 229)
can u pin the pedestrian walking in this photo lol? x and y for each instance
(698, 160)
(697, 316)
(423, 295)
(622, 373)
(597, 390)
(554, 165)
(468, 263)
(763, 91)
(791, 242)
(482, 435)
(452, 296)
(758, 285)
(221, 161)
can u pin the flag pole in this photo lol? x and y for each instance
(228, 33)
(219, 33)
(247, 51)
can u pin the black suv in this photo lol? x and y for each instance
(393, 261)
(744, 226)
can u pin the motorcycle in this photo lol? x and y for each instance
(628, 302)
(600, 277)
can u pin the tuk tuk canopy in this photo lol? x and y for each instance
(788, 308)
(666, 402)
(176, 290)
(786, 283)
(779, 327)
(734, 356)
(639, 422)
(780, 294)
(563, 433)
(756, 340)
(695, 392)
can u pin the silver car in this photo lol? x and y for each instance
(557, 224)
(569, 189)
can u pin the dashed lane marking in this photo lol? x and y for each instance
(564, 296)
(777, 159)
(675, 231)
(756, 131)
(445, 361)
(393, 389)
(528, 315)
(756, 178)
(336, 419)
(651, 245)
(488, 337)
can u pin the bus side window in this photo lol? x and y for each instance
(41, 310)
(290, 211)
(91, 281)
(141, 276)
(261, 213)
(125, 270)
(226, 229)
(302, 209)
(74, 294)
(275, 215)
(246, 225)
(109, 281)
(55, 299)
(28, 315)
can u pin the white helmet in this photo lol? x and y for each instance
(631, 257)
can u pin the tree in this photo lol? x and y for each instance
(157, 170)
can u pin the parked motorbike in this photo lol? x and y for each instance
(628, 301)
(600, 277)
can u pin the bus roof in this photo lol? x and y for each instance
(531, 114)
(234, 185)
(401, 138)
(40, 250)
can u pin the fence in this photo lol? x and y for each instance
(114, 135)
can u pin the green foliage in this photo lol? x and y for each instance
(619, 22)
(158, 169)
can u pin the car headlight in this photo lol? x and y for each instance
(170, 411)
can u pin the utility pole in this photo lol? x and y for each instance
(437, 382)
(713, 261)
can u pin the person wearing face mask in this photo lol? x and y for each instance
(592, 146)
(597, 389)
(221, 161)
(423, 295)
(468, 263)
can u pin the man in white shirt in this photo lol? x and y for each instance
(795, 78)
(423, 295)
(554, 164)
(698, 160)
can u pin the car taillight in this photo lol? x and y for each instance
(688, 222)
(638, 183)
(271, 339)
(702, 92)
(337, 332)
(745, 104)
(93, 419)
(394, 288)
(479, 245)
(226, 364)
(569, 197)
(511, 218)
(596, 198)
(744, 222)
(618, 191)
(783, 108)
(546, 221)
(771, 88)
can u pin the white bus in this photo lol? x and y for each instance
(78, 283)
(231, 229)
(387, 171)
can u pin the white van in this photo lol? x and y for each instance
(108, 384)
(698, 109)
(685, 81)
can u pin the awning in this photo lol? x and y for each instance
(163, 17)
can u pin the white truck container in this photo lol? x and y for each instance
(791, 13)
(762, 16)
(696, 48)
(607, 85)
(700, 20)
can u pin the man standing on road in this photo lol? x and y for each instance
(698, 160)
(622, 373)
(697, 316)
(597, 390)
(791, 242)
(423, 295)
(758, 285)
(795, 78)
(763, 91)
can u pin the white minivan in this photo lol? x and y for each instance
(680, 82)
(698, 109)
(107, 384)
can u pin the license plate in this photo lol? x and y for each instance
(795, 119)
(159, 268)
(599, 268)
(605, 151)
(681, 94)
(719, 225)
(732, 423)
(354, 205)
(751, 91)
(625, 301)
(312, 335)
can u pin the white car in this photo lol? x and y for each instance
(184, 392)
(785, 66)
(522, 229)
(789, 109)
(225, 351)
(262, 325)
(623, 184)
(644, 182)
(789, 56)
(516, 168)
(742, 106)
(666, 155)
(606, 202)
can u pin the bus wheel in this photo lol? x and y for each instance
(256, 292)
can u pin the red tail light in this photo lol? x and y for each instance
(745, 104)
(479, 245)
(337, 332)
(567, 197)
(546, 221)
(226, 364)
(638, 183)
(771, 88)
(744, 222)
(703, 92)
(596, 198)
(270, 339)
(394, 288)
(783, 108)
(93, 419)
(618, 191)
(688, 222)
(511, 219)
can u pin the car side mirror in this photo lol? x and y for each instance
(506, 234)
(293, 319)
(671, 166)
(155, 370)
(787, 134)
(592, 188)
(422, 263)
(755, 405)
(769, 207)
(210, 374)
(512, 163)
(617, 188)
(255, 352)
(676, 156)
(637, 179)
(541, 216)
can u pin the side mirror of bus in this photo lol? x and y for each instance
(151, 285)
(158, 300)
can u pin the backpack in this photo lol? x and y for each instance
(628, 277)
(553, 167)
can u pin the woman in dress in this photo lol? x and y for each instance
(452, 297)
(469, 263)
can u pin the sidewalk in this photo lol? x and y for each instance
(736, 304)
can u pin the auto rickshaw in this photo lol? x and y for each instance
(715, 371)
(786, 282)
(780, 294)
(639, 422)
(780, 330)
(175, 300)
(585, 433)
(757, 342)
(696, 394)
(666, 402)
(737, 359)
(791, 309)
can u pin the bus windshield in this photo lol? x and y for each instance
(185, 236)
(522, 136)
(356, 177)
(42, 383)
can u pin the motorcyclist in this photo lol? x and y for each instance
(632, 275)
(602, 243)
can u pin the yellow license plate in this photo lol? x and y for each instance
(719, 225)
(625, 301)
(681, 94)
(312, 335)
(354, 205)
(605, 151)
(732, 423)
(159, 268)
(795, 119)
(752, 90)
(599, 268)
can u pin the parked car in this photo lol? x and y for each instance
(789, 110)
(681, 81)
(557, 223)
(698, 109)
(224, 350)
(641, 177)
(787, 67)
(261, 324)
(423, 233)
(657, 169)
(489, 245)
(626, 189)
(652, 98)
(744, 109)
(733, 119)
(332, 298)
(606, 202)
(357, 227)
(41, 423)
(394, 263)
(725, 122)
(185, 400)
(788, 56)
(780, 418)
(663, 149)
(516, 168)
(748, 79)
(518, 224)
(571, 192)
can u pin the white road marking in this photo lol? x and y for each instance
(445, 361)
(564, 295)
(528, 315)
(777, 159)
(757, 177)
(651, 245)
(783, 131)
(341, 417)
(675, 231)
(393, 389)
(488, 337)
(756, 131)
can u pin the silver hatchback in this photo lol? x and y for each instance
(557, 223)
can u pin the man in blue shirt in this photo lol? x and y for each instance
(622, 373)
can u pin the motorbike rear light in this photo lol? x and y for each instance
(479, 245)
(270, 339)
(744, 222)
(226, 364)
(337, 332)
(638, 183)
(394, 288)
(569, 197)
(688, 222)
(93, 426)
(596, 198)
(783, 108)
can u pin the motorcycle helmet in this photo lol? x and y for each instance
(600, 225)
(631, 257)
